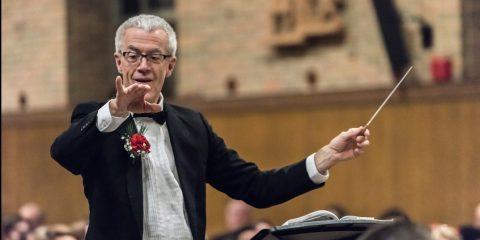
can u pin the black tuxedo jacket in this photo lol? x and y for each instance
(113, 184)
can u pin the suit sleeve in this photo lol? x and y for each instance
(239, 179)
(75, 148)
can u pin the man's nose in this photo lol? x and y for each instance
(143, 65)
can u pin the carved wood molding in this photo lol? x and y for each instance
(439, 93)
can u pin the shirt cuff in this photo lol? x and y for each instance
(106, 122)
(313, 172)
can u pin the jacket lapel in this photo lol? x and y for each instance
(179, 138)
(134, 181)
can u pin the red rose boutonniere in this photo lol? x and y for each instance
(136, 144)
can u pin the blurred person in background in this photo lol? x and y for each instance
(14, 228)
(472, 231)
(8, 227)
(79, 228)
(238, 217)
(400, 229)
(444, 232)
(60, 232)
(40, 233)
(238, 214)
(145, 163)
(33, 236)
(32, 213)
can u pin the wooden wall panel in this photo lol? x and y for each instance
(423, 158)
(29, 174)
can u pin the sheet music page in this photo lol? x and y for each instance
(320, 215)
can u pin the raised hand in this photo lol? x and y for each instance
(131, 99)
(344, 146)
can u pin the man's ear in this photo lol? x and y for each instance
(171, 66)
(118, 62)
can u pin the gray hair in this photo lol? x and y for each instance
(148, 23)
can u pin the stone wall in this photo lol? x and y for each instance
(34, 55)
(231, 41)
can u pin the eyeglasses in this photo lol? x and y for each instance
(135, 57)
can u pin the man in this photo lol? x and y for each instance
(32, 214)
(238, 218)
(237, 215)
(137, 194)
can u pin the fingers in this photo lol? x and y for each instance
(137, 89)
(118, 84)
(152, 107)
(131, 97)
(360, 135)
(357, 152)
(361, 138)
(352, 133)
(366, 133)
(363, 144)
(360, 149)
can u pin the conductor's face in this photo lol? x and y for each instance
(145, 59)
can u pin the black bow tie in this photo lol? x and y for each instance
(159, 117)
